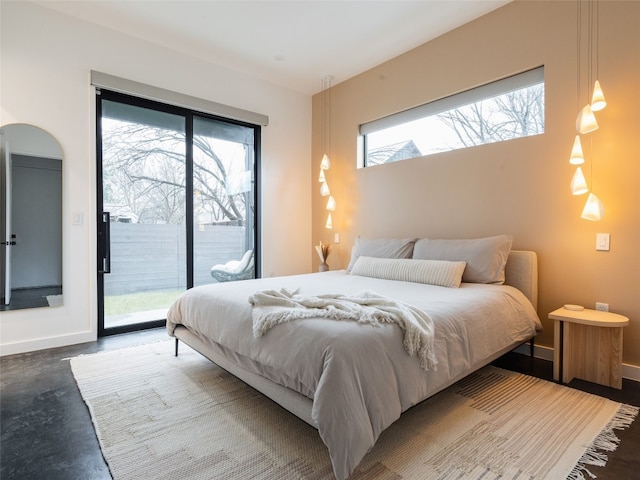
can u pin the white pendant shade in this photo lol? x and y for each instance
(324, 189)
(321, 177)
(329, 223)
(325, 164)
(331, 203)
(597, 100)
(593, 209)
(579, 183)
(577, 157)
(586, 121)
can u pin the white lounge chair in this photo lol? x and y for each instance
(234, 269)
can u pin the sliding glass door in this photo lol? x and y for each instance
(223, 201)
(176, 207)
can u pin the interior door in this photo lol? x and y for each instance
(7, 240)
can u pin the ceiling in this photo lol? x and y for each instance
(293, 44)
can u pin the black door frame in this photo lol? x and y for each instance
(102, 239)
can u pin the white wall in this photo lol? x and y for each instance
(46, 59)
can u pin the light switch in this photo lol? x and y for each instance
(77, 218)
(602, 241)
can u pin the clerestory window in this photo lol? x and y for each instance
(506, 109)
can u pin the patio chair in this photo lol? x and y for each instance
(234, 269)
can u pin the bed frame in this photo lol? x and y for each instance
(521, 272)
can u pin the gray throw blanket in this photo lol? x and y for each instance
(271, 308)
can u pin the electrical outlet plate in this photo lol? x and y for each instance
(603, 307)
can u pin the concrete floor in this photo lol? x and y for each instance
(46, 428)
(47, 431)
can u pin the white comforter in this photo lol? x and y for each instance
(359, 377)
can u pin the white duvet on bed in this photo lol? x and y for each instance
(359, 376)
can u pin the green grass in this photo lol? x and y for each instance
(139, 302)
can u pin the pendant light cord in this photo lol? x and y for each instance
(329, 113)
(324, 122)
(597, 30)
(590, 51)
(326, 112)
(578, 43)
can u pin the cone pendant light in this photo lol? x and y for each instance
(579, 183)
(593, 209)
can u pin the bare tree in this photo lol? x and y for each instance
(144, 170)
(514, 114)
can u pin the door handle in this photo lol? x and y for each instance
(104, 244)
(10, 242)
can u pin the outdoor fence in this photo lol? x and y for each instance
(153, 257)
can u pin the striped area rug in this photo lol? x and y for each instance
(161, 417)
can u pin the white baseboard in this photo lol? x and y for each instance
(632, 372)
(49, 342)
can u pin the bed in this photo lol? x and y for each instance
(350, 380)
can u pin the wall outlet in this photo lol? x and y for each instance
(602, 307)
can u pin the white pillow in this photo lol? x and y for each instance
(431, 272)
(485, 257)
(381, 248)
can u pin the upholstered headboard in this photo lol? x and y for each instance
(521, 272)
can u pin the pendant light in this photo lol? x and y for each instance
(325, 163)
(593, 209)
(598, 101)
(577, 157)
(329, 224)
(324, 189)
(578, 183)
(586, 120)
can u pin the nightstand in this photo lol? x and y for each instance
(588, 345)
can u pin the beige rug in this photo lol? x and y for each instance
(162, 417)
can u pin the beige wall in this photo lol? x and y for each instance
(519, 187)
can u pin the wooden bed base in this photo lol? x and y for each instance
(521, 272)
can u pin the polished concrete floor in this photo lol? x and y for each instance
(46, 428)
(47, 431)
